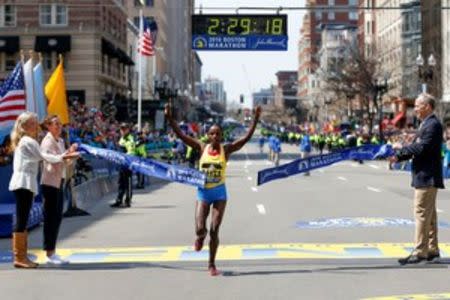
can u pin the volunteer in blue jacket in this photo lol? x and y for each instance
(305, 148)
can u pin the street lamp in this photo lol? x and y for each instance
(426, 71)
(350, 94)
(327, 102)
(380, 88)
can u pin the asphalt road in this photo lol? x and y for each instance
(336, 234)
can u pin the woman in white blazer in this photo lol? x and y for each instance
(52, 182)
(27, 155)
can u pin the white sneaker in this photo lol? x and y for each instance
(56, 260)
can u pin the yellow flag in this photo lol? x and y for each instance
(55, 90)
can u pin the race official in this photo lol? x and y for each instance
(425, 151)
(128, 145)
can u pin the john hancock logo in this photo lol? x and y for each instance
(303, 165)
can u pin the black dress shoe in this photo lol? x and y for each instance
(116, 204)
(411, 259)
(434, 257)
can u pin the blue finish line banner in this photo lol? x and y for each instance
(149, 167)
(366, 152)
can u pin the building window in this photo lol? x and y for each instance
(53, 15)
(352, 2)
(331, 2)
(108, 66)
(331, 15)
(10, 62)
(7, 16)
(148, 3)
(136, 20)
(318, 15)
(353, 15)
(50, 61)
(7, 62)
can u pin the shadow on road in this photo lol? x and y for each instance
(370, 265)
(337, 270)
(117, 266)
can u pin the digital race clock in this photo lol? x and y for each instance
(239, 32)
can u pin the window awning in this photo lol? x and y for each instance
(108, 48)
(398, 117)
(124, 58)
(9, 44)
(53, 43)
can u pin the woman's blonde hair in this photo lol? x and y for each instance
(18, 130)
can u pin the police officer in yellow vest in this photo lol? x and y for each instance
(128, 145)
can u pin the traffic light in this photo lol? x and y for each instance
(241, 99)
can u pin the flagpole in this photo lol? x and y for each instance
(154, 70)
(31, 53)
(141, 32)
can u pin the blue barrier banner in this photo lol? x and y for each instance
(366, 152)
(149, 167)
(4, 132)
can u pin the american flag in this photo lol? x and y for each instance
(147, 37)
(12, 97)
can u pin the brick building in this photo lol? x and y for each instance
(91, 35)
(367, 28)
(321, 12)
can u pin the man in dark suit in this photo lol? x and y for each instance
(425, 152)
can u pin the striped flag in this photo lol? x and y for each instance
(12, 97)
(147, 37)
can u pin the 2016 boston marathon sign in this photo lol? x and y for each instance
(240, 32)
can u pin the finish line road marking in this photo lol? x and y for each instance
(261, 209)
(342, 178)
(373, 189)
(232, 252)
(374, 166)
(255, 189)
(413, 297)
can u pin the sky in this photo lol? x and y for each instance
(245, 72)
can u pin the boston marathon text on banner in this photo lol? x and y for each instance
(366, 152)
(255, 43)
(149, 167)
